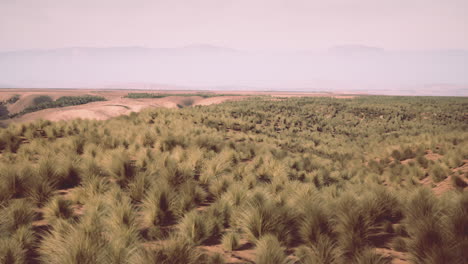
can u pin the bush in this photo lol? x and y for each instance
(42, 99)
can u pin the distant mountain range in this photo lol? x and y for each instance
(344, 68)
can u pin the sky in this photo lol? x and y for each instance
(241, 24)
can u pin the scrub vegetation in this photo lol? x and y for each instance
(298, 180)
(162, 95)
(4, 113)
(44, 102)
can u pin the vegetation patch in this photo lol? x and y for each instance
(44, 102)
(162, 95)
(302, 180)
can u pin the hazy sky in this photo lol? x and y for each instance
(244, 24)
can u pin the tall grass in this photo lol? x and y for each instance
(430, 238)
(262, 216)
(309, 177)
(269, 250)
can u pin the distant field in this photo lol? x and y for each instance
(21, 105)
(254, 179)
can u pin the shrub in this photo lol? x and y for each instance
(42, 99)
(13, 99)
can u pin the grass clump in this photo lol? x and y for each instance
(438, 172)
(173, 251)
(269, 250)
(196, 228)
(230, 241)
(262, 216)
(431, 239)
(58, 208)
